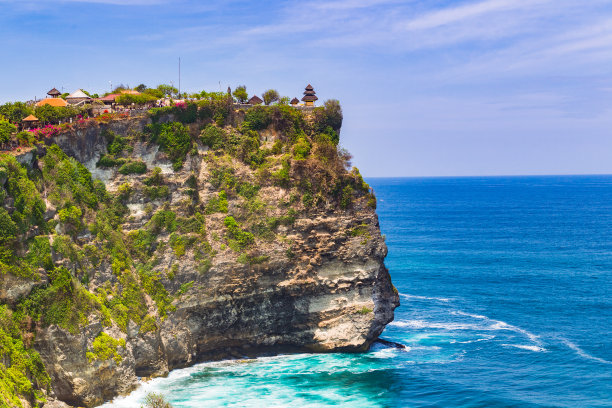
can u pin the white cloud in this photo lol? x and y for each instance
(458, 14)
(112, 2)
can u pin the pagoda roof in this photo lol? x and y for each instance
(255, 100)
(309, 98)
(57, 102)
(295, 101)
(54, 92)
(309, 92)
(30, 118)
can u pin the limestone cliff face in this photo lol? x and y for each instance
(317, 283)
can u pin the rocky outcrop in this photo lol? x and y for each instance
(320, 284)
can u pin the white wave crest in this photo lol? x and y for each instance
(536, 349)
(422, 324)
(483, 323)
(583, 353)
(475, 316)
(438, 299)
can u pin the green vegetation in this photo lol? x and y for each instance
(56, 222)
(240, 93)
(6, 131)
(133, 167)
(269, 96)
(153, 400)
(238, 239)
(174, 139)
(22, 372)
(364, 310)
(104, 347)
(142, 99)
(154, 186)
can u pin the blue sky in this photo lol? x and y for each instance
(428, 88)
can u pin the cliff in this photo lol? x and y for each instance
(146, 244)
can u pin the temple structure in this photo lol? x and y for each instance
(29, 122)
(255, 100)
(309, 96)
(78, 97)
(295, 101)
(54, 93)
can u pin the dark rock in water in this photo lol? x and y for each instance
(390, 343)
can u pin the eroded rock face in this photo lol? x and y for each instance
(320, 285)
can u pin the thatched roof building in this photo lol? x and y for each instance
(30, 118)
(294, 101)
(54, 93)
(255, 100)
(309, 96)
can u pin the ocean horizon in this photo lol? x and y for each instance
(505, 284)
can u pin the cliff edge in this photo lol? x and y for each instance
(140, 245)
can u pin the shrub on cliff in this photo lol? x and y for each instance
(28, 204)
(8, 229)
(67, 180)
(237, 237)
(213, 137)
(6, 131)
(174, 139)
(71, 218)
(133, 167)
(104, 347)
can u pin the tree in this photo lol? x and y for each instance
(271, 95)
(142, 99)
(6, 130)
(141, 88)
(241, 94)
(15, 112)
(154, 92)
(333, 112)
(328, 119)
(167, 90)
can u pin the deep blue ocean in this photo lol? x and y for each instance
(506, 291)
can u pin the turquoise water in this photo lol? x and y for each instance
(506, 290)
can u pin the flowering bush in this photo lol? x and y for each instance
(107, 117)
(47, 132)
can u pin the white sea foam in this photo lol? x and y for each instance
(583, 353)
(475, 316)
(486, 338)
(483, 323)
(438, 299)
(526, 347)
(422, 324)
(499, 325)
